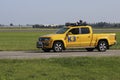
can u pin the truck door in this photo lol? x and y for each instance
(72, 38)
(85, 37)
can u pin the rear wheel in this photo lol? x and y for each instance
(89, 49)
(58, 47)
(102, 46)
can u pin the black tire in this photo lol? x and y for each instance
(58, 47)
(46, 50)
(102, 46)
(90, 49)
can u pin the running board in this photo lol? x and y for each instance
(81, 47)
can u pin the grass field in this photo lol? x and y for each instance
(25, 39)
(81, 68)
(19, 40)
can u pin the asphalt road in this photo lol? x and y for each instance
(40, 54)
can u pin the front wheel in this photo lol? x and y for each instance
(102, 46)
(58, 47)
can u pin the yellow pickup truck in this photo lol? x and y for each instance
(76, 37)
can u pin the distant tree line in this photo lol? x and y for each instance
(47, 26)
(105, 25)
(95, 25)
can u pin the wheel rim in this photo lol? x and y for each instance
(102, 46)
(58, 47)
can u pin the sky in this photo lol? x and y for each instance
(58, 11)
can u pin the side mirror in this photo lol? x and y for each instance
(69, 33)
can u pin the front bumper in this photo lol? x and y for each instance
(40, 44)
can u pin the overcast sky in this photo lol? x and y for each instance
(58, 11)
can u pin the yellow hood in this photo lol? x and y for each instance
(54, 35)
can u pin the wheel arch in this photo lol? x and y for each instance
(59, 41)
(103, 40)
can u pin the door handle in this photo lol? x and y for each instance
(88, 36)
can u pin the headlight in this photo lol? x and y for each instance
(40, 39)
(47, 39)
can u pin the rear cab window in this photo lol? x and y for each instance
(84, 30)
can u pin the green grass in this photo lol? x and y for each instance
(12, 40)
(19, 40)
(81, 68)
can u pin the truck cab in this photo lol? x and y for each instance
(78, 36)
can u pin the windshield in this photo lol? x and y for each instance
(62, 30)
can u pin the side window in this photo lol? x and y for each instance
(85, 31)
(74, 31)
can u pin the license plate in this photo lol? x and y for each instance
(40, 44)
